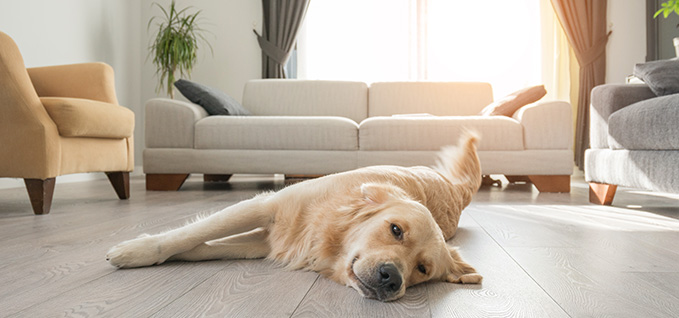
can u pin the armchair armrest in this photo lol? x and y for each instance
(546, 125)
(606, 100)
(171, 123)
(76, 117)
(87, 80)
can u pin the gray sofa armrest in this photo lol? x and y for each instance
(606, 100)
(171, 123)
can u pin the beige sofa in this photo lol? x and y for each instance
(322, 127)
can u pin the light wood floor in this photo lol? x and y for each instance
(541, 255)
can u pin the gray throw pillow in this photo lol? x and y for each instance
(213, 100)
(662, 77)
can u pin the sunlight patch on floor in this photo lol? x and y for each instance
(603, 217)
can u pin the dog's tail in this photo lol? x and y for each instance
(460, 165)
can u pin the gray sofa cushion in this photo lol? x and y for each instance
(644, 169)
(606, 100)
(652, 124)
(213, 100)
(661, 76)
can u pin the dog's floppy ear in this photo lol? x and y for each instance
(459, 271)
(381, 192)
(375, 192)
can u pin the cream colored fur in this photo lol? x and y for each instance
(377, 229)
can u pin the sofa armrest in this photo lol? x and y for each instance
(606, 100)
(86, 80)
(546, 125)
(171, 123)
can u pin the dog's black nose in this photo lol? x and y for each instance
(390, 278)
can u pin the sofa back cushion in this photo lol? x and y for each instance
(435, 98)
(284, 97)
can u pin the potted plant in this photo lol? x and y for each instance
(666, 9)
(175, 44)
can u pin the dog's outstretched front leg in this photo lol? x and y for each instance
(253, 244)
(155, 249)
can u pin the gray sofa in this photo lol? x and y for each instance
(634, 141)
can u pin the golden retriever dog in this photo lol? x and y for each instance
(377, 229)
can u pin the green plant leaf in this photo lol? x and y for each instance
(175, 45)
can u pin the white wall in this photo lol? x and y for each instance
(627, 44)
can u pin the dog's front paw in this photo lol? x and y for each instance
(143, 251)
(472, 278)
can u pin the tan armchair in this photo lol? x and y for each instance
(60, 120)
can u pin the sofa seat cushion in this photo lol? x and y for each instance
(646, 125)
(75, 117)
(434, 132)
(276, 133)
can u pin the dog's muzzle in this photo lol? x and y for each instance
(390, 281)
(384, 283)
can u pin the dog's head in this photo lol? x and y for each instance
(395, 243)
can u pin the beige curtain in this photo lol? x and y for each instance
(584, 22)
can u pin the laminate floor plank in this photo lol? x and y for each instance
(232, 292)
(666, 282)
(583, 284)
(68, 263)
(506, 290)
(617, 234)
(77, 231)
(523, 225)
(127, 293)
(329, 299)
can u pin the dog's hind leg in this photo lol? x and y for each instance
(247, 245)
(155, 249)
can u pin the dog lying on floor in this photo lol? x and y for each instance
(376, 229)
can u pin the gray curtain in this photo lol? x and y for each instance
(282, 19)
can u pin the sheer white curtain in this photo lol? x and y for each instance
(496, 41)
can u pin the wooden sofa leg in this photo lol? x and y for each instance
(601, 193)
(40, 192)
(120, 180)
(557, 183)
(216, 177)
(515, 179)
(165, 182)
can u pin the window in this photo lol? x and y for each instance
(494, 41)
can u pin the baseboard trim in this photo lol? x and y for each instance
(9, 183)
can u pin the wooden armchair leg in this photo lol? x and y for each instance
(165, 182)
(40, 192)
(601, 193)
(558, 183)
(120, 180)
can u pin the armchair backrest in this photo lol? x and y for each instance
(29, 141)
(17, 94)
